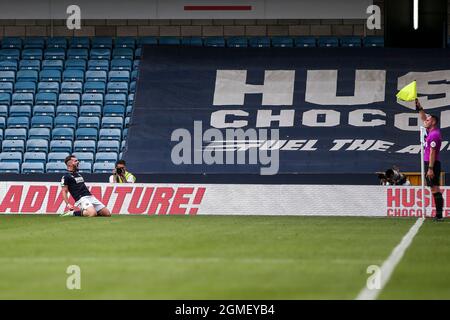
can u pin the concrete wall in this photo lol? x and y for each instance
(249, 27)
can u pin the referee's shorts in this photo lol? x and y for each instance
(437, 174)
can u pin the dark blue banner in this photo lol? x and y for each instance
(318, 110)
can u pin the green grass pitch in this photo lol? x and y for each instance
(217, 257)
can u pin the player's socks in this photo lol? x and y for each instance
(439, 201)
(77, 213)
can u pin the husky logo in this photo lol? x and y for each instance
(79, 180)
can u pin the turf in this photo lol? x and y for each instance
(216, 257)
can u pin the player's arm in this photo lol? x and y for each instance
(419, 108)
(65, 194)
(430, 172)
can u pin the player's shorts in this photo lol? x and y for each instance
(437, 174)
(89, 201)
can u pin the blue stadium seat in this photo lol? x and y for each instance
(108, 146)
(16, 134)
(127, 122)
(6, 87)
(123, 53)
(102, 42)
(65, 122)
(84, 146)
(136, 64)
(88, 122)
(17, 110)
(56, 167)
(117, 87)
(44, 110)
(48, 87)
(237, 42)
(86, 134)
(69, 98)
(9, 167)
(119, 76)
(373, 41)
(34, 43)
(35, 157)
(350, 41)
(78, 54)
(134, 75)
(7, 76)
(61, 146)
(8, 65)
(67, 110)
(57, 42)
(282, 42)
(112, 122)
(39, 133)
(46, 98)
(96, 76)
(147, 40)
(75, 64)
(3, 111)
(72, 87)
(121, 64)
(50, 75)
(85, 167)
(37, 145)
(130, 99)
(32, 54)
(42, 122)
(169, 41)
(9, 54)
(259, 42)
(305, 42)
(98, 65)
(12, 43)
(2, 122)
(138, 53)
(113, 110)
(63, 134)
(133, 86)
(30, 65)
(214, 42)
(326, 41)
(100, 54)
(116, 98)
(110, 134)
(84, 156)
(11, 157)
(5, 99)
(73, 75)
(103, 167)
(80, 43)
(92, 98)
(25, 87)
(23, 98)
(57, 156)
(18, 122)
(125, 42)
(27, 75)
(90, 111)
(123, 146)
(32, 167)
(55, 54)
(13, 146)
(129, 110)
(106, 157)
(95, 87)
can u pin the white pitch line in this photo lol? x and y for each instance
(390, 263)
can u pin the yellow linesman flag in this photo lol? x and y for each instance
(408, 92)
